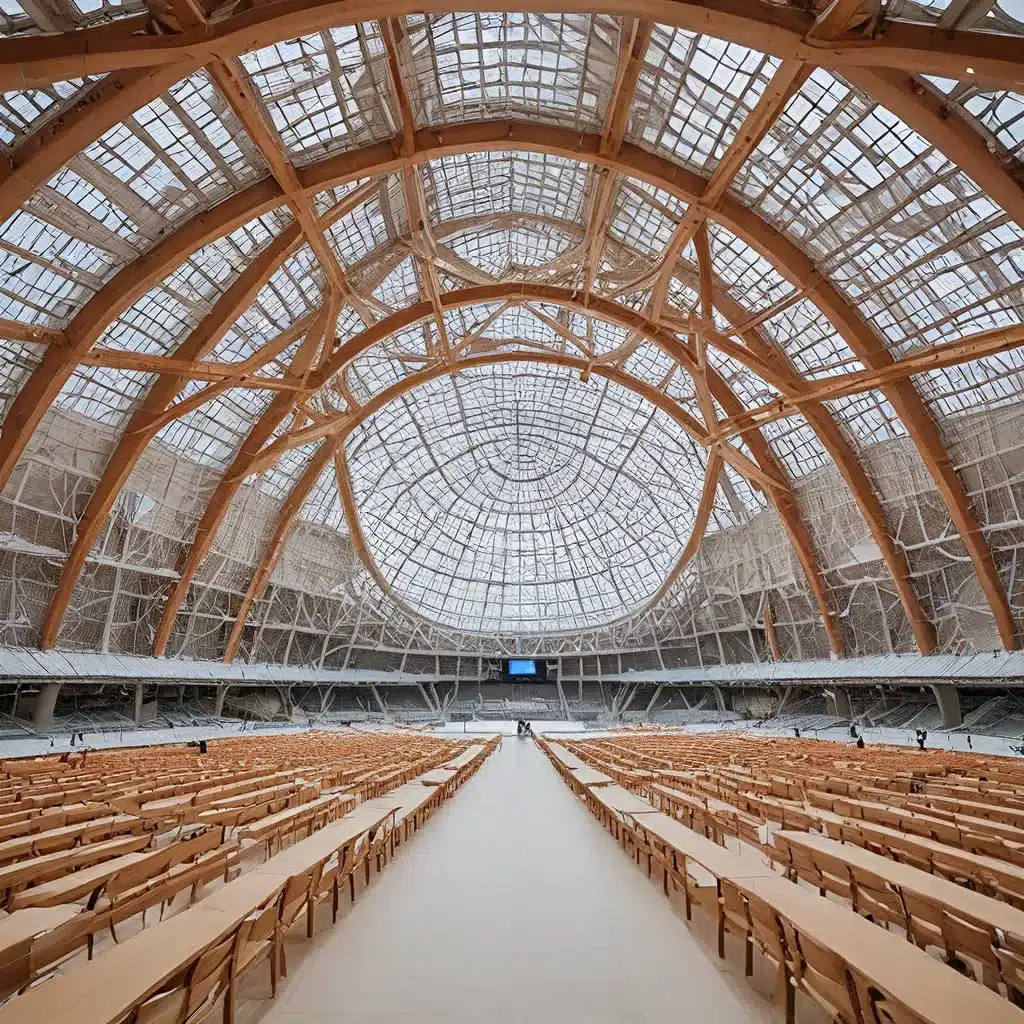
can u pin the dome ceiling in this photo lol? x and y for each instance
(516, 499)
(516, 308)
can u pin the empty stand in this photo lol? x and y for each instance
(226, 851)
(882, 884)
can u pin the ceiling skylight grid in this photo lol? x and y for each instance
(466, 67)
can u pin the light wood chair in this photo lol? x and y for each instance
(767, 932)
(293, 903)
(878, 1008)
(257, 939)
(326, 884)
(734, 917)
(822, 974)
(193, 997)
(969, 940)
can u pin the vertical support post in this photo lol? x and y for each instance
(42, 718)
(218, 704)
(783, 693)
(654, 699)
(138, 705)
(948, 698)
(837, 703)
(722, 699)
(769, 629)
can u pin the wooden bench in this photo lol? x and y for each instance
(835, 955)
(933, 911)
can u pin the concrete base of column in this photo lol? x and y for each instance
(42, 717)
(948, 699)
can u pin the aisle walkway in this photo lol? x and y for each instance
(512, 905)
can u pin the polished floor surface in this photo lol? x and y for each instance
(512, 905)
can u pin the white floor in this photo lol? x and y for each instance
(512, 905)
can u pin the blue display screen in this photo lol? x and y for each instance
(522, 667)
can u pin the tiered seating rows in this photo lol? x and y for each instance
(181, 819)
(672, 800)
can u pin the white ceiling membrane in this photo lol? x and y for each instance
(470, 332)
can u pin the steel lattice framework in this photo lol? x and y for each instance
(689, 334)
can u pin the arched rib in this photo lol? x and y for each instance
(29, 61)
(139, 432)
(431, 143)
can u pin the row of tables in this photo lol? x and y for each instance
(908, 976)
(104, 989)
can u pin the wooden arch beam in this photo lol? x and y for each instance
(148, 418)
(768, 473)
(134, 280)
(282, 406)
(38, 157)
(776, 30)
(839, 449)
(117, 295)
(58, 363)
(787, 32)
(344, 425)
(137, 435)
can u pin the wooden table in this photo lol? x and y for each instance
(930, 887)
(615, 798)
(74, 886)
(260, 828)
(590, 777)
(68, 836)
(469, 755)
(33, 921)
(55, 865)
(722, 863)
(437, 777)
(566, 757)
(1009, 875)
(103, 990)
(307, 853)
(903, 972)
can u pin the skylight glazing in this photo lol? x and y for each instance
(517, 499)
(503, 498)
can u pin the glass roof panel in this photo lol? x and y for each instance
(327, 92)
(516, 498)
(557, 68)
(693, 93)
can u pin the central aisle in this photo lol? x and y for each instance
(511, 905)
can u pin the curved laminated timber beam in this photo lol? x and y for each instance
(150, 416)
(765, 473)
(788, 32)
(338, 429)
(143, 56)
(316, 342)
(59, 360)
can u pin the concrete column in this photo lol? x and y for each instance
(42, 718)
(949, 704)
(782, 694)
(138, 704)
(837, 703)
(218, 704)
(723, 698)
